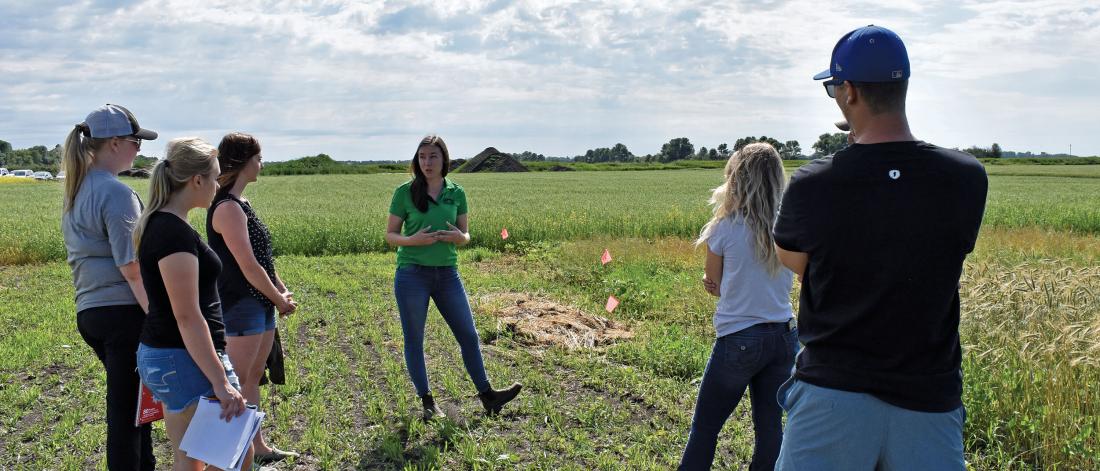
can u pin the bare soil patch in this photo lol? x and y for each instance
(540, 321)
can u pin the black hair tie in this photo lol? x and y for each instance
(83, 127)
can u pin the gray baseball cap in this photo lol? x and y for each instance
(115, 121)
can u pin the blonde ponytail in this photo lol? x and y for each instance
(77, 158)
(184, 158)
(753, 187)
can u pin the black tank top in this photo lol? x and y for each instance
(232, 285)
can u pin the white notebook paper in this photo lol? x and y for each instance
(216, 442)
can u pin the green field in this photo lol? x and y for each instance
(346, 214)
(1030, 293)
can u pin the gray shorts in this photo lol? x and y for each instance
(830, 429)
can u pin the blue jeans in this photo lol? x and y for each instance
(830, 429)
(760, 358)
(175, 379)
(413, 285)
(248, 316)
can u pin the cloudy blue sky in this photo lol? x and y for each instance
(365, 80)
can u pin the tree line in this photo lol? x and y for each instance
(41, 159)
(681, 148)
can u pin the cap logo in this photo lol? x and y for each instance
(872, 40)
(895, 74)
(838, 67)
(894, 174)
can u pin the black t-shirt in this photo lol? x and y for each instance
(887, 227)
(165, 234)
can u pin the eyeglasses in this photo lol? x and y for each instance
(137, 142)
(831, 86)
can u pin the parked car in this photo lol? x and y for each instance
(43, 176)
(60, 175)
(23, 173)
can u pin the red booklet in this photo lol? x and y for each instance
(148, 408)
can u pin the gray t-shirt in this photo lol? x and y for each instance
(749, 295)
(98, 232)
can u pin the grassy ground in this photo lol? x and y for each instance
(1031, 319)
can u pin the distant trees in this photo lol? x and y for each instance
(676, 149)
(145, 162)
(528, 156)
(40, 158)
(616, 153)
(830, 143)
(33, 158)
(787, 150)
(994, 152)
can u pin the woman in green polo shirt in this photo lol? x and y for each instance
(427, 222)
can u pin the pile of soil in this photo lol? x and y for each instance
(492, 160)
(539, 321)
(561, 168)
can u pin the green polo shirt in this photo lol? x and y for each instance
(450, 205)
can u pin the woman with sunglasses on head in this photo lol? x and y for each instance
(250, 288)
(97, 222)
(427, 221)
(182, 357)
(756, 343)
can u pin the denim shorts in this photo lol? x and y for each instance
(248, 316)
(174, 378)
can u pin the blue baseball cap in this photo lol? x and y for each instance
(114, 121)
(868, 54)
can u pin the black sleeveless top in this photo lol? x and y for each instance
(232, 284)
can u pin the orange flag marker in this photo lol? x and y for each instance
(606, 258)
(612, 303)
(504, 233)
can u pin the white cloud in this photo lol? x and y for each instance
(362, 80)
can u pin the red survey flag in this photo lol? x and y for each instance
(606, 258)
(504, 233)
(612, 303)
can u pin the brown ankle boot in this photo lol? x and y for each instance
(494, 399)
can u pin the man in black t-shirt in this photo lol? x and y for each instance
(877, 233)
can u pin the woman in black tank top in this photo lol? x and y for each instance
(250, 288)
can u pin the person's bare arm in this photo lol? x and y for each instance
(180, 272)
(132, 273)
(794, 261)
(230, 221)
(393, 234)
(457, 233)
(712, 273)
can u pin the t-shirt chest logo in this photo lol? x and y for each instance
(894, 174)
(448, 201)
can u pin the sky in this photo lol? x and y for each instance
(366, 80)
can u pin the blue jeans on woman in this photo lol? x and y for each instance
(413, 285)
(760, 358)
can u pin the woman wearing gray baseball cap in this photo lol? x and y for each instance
(98, 222)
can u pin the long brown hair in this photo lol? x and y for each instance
(753, 188)
(184, 158)
(77, 158)
(419, 187)
(234, 151)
